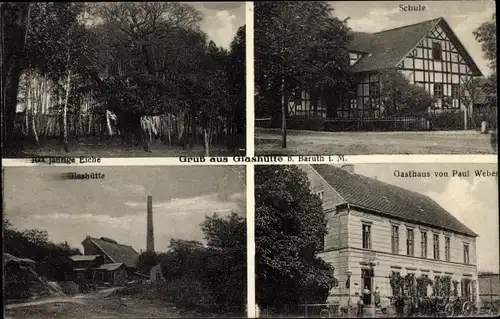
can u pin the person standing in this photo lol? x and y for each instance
(360, 303)
(376, 297)
(384, 304)
(367, 296)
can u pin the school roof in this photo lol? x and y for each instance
(118, 253)
(386, 49)
(391, 201)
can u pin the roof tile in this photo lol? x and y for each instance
(385, 49)
(117, 252)
(388, 47)
(393, 201)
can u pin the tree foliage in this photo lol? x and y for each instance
(146, 261)
(212, 275)
(303, 45)
(289, 229)
(236, 72)
(400, 97)
(141, 58)
(52, 259)
(486, 34)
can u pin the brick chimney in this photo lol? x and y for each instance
(150, 238)
(348, 167)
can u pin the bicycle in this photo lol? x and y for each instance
(459, 307)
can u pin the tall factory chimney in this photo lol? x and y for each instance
(150, 239)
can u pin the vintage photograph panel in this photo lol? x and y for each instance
(125, 242)
(377, 240)
(375, 77)
(123, 79)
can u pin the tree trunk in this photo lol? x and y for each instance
(283, 114)
(191, 130)
(465, 117)
(76, 121)
(89, 128)
(207, 142)
(14, 17)
(169, 129)
(26, 118)
(33, 98)
(65, 112)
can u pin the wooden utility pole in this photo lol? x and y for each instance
(283, 113)
(465, 117)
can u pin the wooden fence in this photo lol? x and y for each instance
(399, 123)
(437, 122)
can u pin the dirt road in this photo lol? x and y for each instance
(74, 299)
(79, 299)
(102, 304)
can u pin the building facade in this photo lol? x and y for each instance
(428, 54)
(105, 259)
(376, 229)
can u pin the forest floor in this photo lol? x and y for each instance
(112, 148)
(98, 305)
(268, 142)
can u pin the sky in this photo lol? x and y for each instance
(221, 20)
(38, 197)
(462, 16)
(472, 200)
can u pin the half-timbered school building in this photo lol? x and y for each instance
(376, 229)
(428, 54)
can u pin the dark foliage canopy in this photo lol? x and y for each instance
(289, 229)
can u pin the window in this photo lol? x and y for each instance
(366, 237)
(353, 58)
(466, 291)
(447, 248)
(466, 253)
(353, 104)
(320, 194)
(322, 243)
(438, 90)
(436, 51)
(409, 242)
(394, 289)
(426, 290)
(374, 89)
(395, 240)
(436, 288)
(436, 246)
(454, 91)
(423, 244)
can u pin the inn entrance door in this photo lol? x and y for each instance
(367, 280)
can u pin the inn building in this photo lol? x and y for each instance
(428, 54)
(376, 229)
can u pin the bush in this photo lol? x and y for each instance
(188, 293)
(447, 121)
(69, 287)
